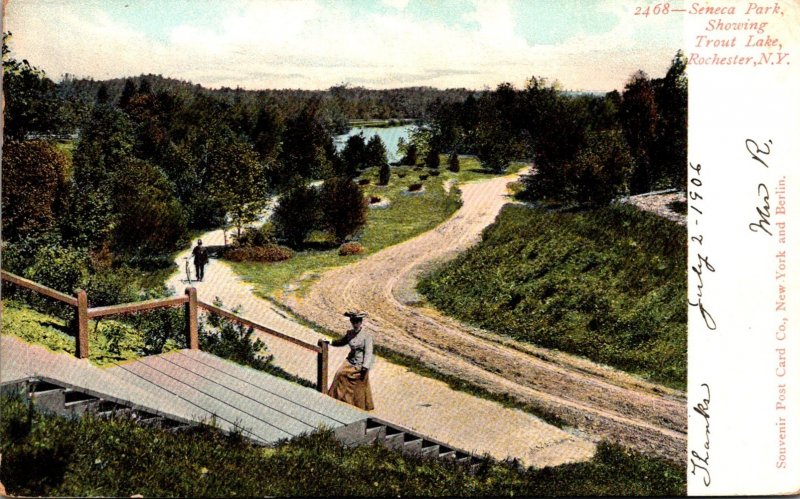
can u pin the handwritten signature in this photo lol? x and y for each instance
(700, 462)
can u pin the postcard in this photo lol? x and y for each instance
(406, 247)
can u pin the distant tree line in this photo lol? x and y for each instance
(585, 148)
(337, 105)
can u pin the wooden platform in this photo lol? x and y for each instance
(190, 385)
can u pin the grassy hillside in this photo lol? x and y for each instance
(109, 341)
(607, 284)
(51, 456)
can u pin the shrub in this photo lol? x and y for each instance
(163, 329)
(432, 158)
(34, 186)
(602, 168)
(415, 187)
(348, 249)
(453, 163)
(266, 253)
(401, 175)
(679, 207)
(343, 207)
(252, 236)
(60, 268)
(424, 176)
(363, 181)
(112, 286)
(297, 214)
(410, 158)
(374, 199)
(383, 174)
(149, 219)
(435, 173)
(233, 341)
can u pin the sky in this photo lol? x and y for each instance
(588, 45)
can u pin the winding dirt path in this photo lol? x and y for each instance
(416, 402)
(599, 400)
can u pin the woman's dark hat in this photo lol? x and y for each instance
(355, 314)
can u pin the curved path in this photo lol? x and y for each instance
(599, 400)
(401, 396)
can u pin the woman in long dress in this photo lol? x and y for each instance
(351, 383)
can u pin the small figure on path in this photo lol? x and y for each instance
(351, 383)
(200, 256)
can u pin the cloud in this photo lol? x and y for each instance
(396, 4)
(306, 44)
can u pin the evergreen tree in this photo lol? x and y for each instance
(453, 164)
(375, 152)
(432, 158)
(296, 214)
(383, 174)
(343, 207)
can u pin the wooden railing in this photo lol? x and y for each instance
(189, 301)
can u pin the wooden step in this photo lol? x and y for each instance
(49, 400)
(394, 438)
(430, 449)
(412, 443)
(375, 431)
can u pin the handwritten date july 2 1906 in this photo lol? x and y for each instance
(695, 198)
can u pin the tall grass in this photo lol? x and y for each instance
(52, 456)
(607, 284)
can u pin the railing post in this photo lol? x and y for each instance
(82, 338)
(192, 340)
(322, 366)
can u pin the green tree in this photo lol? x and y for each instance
(671, 130)
(149, 221)
(410, 158)
(639, 118)
(432, 158)
(343, 207)
(32, 105)
(384, 173)
(106, 145)
(602, 169)
(453, 164)
(375, 152)
(266, 134)
(34, 188)
(307, 147)
(296, 214)
(354, 155)
(238, 181)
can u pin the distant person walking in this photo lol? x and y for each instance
(200, 256)
(351, 383)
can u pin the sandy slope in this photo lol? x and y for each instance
(602, 401)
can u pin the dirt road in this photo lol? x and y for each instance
(604, 402)
(401, 396)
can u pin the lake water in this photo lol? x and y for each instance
(389, 136)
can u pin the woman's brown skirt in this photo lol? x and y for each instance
(349, 387)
